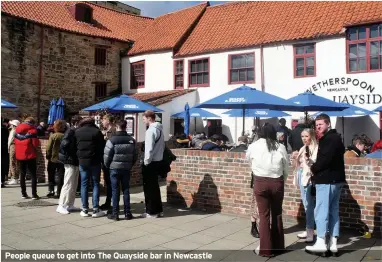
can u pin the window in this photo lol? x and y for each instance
(199, 72)
(100, 90)
(138, 75)
(100, 56)
(304, 60)
(364, 49)
(242, 68)
(178, 74)
(82, 12)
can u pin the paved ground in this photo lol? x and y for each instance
(226, 237)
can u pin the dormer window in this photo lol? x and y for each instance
(82, 12)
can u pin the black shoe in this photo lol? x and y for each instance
(109, 211)
(57, 197)
(105, 206)
(24, 196)
(254, 231)
(50, 194)
(2, 186)
(113, 217)
(129, 216)
(35, 197)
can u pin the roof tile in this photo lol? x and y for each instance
(245, 24)
(160, 97)
(109, 23)
(167, 30)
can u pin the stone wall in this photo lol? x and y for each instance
(68, 69)
(220, 181)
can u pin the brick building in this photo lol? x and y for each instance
(63, 49)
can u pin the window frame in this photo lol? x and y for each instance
(230, 68)
(133, 87)
(96, 85)
(97, 56)
(295, 56)
(189, 72)
(175, 74)
(367, 41)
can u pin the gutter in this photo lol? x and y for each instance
(40, 75)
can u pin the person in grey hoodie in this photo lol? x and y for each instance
(154, 148)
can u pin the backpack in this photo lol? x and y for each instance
(164, 166)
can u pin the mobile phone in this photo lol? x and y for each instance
(307, 151)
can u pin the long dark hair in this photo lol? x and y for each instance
(268, 132)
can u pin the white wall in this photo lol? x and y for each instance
(278, 80)
(158, 72)
(330, 64)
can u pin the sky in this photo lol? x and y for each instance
(157, 8)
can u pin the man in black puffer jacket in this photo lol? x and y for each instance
(120, 154)
(90, 145)
(68, 156)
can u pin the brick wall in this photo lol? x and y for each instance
(68, 69)
(42, 163)
(221, 181)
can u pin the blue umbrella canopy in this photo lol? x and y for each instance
(123, 103)
(378, 109)
(187, 119)
(255, 113)
(310, 102)
(6, 104)
(246, 97)
(351, 111)
(60, 109)
(52, 112)
(196, 112)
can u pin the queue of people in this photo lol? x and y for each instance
(77, 151)
(320, 175)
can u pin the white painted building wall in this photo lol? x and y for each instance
(278, 80)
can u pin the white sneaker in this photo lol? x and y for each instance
(302, 235)
(333, 246)
(98, 213)
(319, 248)
(257, 250)
(62, 210)
(13, 182)
(147, 215)
(84, 213)
(73, 209)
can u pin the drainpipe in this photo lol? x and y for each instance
(40, 75)
(262, 68)
(257, 120)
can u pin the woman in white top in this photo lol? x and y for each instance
(269, 161)
(302, 178)
(14, 168)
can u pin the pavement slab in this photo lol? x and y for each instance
(181, 231)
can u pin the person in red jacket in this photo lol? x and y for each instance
(26, 143)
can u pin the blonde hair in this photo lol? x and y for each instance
(312, 135)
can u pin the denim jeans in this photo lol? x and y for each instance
(86, 172)
(327, 209)
(106, 178)
(308, 202)
(118, 176)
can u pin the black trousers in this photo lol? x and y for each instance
(31, 165)
(56, 173)
(4, 166)
(151, 189)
